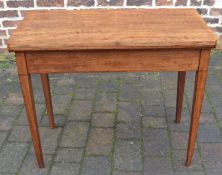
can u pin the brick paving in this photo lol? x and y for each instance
(112, 124)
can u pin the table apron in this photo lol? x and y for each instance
(113, 61)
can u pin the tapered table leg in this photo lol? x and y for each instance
(48, 101)
(180, 92)
(26, 86)
(198, 97)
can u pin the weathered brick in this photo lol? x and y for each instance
(164, 2)
(22, 120)
(216, 11)
(213, 168)
(69, 155)
(128, 112)
(29, 165)
(49, 138)
(103, 119)
(180, 166)
(10, 31)
(85, 93)
(14, 98)
(100, 141)
(2, 137)
(179, 140)
(129, 92)
(189, 173)
(181, 3)
(179, 157)
(126, 173)
(106, 102)
(157, 166)
(11, 157)
(128, 130)
(59, 120)
(10, 23)
(211, 151)
(81, 2)
(19, 133)
(108, 86)
(217, 29)
(1, 4)
(154, 122)
(153, 98)
(80, 110)
(128, 155)
(156, 142)
(6, 123)
(8, 13)
(202, 11)
(211, 20)
(209, 133)
(139, 2)
(74, 135)
(65, 168)
(3, 33)
(23, 3)
(153, 111)
(195, 2)
(209, 2)
(96, 166)
(52, 3)
(206, 118)
(110, 3)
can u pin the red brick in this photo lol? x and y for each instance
(1, 4)
(219, 42)
(216, 11)
(10, 23)
(8, 13)
(10, 31)
(209, 2)
(202, 11)
(51, 3)
(195, 2)
(164, 2)
(81, 3)
(217, 29)
(110, 3)
(16, 3)
(3, 50)
(3, 33)
(139, 2)
(181, 3)
(211, 20)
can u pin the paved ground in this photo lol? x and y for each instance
(111, 124)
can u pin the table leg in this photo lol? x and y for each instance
(180, 92)
(26, 86)
(198, 97)
(48, 101)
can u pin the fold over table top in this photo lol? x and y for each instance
(111, 29)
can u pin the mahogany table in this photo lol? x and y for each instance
(123, 40)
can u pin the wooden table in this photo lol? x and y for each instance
(129, 40)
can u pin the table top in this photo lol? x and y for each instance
(111, 29)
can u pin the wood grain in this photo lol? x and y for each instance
(180, 92)
(111, 29)
(48, 100)
(26, 86)
(113, 61)
(200, 82)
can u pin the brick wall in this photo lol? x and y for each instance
(12, 11)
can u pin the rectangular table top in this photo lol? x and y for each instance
(111, 29)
